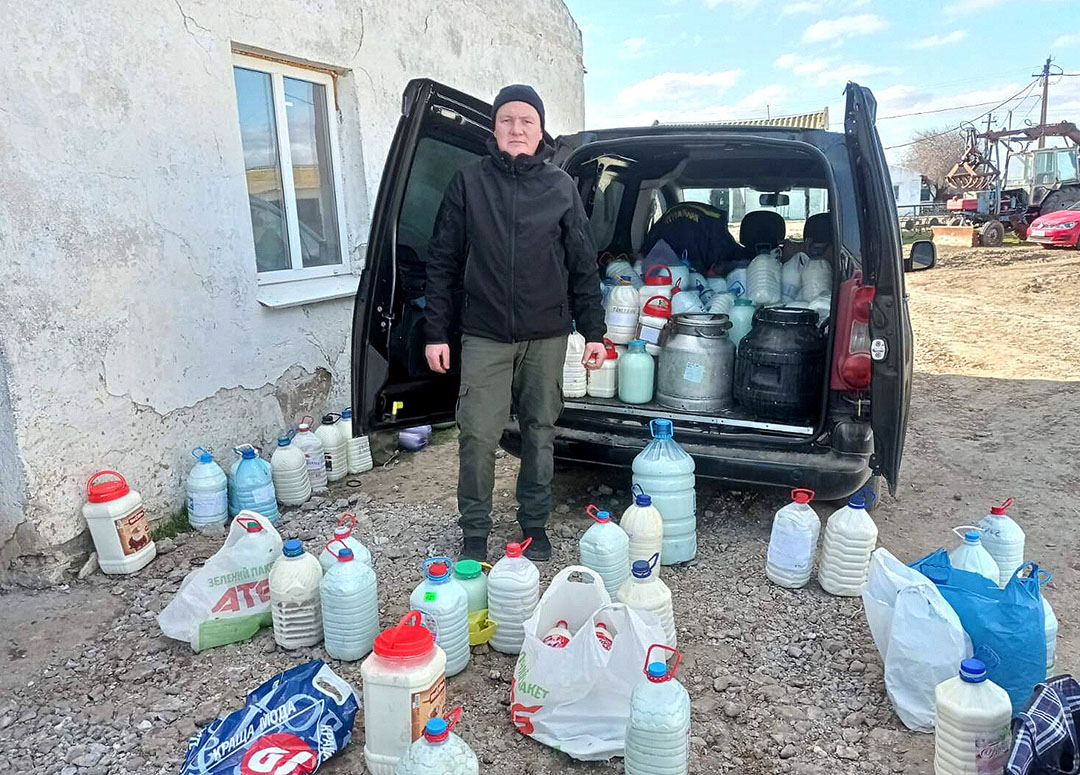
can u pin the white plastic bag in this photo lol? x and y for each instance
(917, 633)
(228, 598)
(577, 698)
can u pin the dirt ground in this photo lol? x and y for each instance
(781, 681)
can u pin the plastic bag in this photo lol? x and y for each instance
(917, 633)
(1005, 625)
(577, 698)
(228, 598)
(291, 724)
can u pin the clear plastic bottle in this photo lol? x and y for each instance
(288, 468)
(513, 592)
(439, 751)
(645, 591)
(314, 454)
(972, 556)
(207, 493)
(254, 485)
(971, 723)
(605, 548)
(470, 575)
(816, 279)
(793, 542)
(575, 381)
(444, 604)
(791, 276)
(850, 538)
(1004, 539)
(644, 526)
(742, 320)
(665, 471)
(1050, 628)
(637, 374)
(335, 448)
(343, 536)
(294, 597)
(763, 277)
(658, 730)
(721, 304)
(350, 606)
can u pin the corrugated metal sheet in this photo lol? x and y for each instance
(818, 120)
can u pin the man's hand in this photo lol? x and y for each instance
(594, 356)
(438, 357)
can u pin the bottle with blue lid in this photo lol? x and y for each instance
(971, 723)
(349, 597)
(645, 591)
(850, 538)
(288, 469)
(644, 526)
(605, 548)
(294, 597)
(666, 472)
(972, 556)
(439, 751)
(658, 730)
(444, 605)
(207, 493)
(253, 485)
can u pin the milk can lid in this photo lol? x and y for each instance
(292, 548)
(409, 638)
(973, 671)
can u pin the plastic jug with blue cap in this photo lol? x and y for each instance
(971, 555)
(644, 526)
(658, 730)
(971, 723)
(343, 536)
(349, 597)
(666, 472)
(444, 604)
(253, 484)
(636, 374)
(1004, 539)
(850, 538)
(605, 548)
(439, 751)
(645, 591)
(789, 560)
(207, 493)
(294, 597)
(288, 469)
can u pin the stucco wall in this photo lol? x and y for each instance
(129, 318)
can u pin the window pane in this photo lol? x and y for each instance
(1066, 165)
(255, 104)
(309, 141)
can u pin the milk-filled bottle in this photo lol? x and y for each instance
(294, 597)
(793, 542)
(850, 538)
(513, 592)
(605, 548)
(644, 526)
(658, 730)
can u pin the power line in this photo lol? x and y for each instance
(937, 110)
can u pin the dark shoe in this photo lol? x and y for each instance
(475, 548)
(540, 548)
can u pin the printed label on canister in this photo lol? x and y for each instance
(694, 372)
(202, 505)
(133, 530)
(428, 704)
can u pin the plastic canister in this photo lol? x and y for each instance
(791, 276)
(513, 592)
(658, 730)
(357, 448)
(621, 310)
(470, 575)
(619, 267)
(685, 302)
(646, 591)
(637, 374)
(604, 636)
(603, 382)
(721, 304)
(816, 279)
(763, 277)
(444, 604)
(335, 447)
(1004, 539)
(558, 637)
(314, 453)
(742, 320)
(117, 521)
(207, 493)
(656, 282)
(253, 483)
(793, 542)
(404, 687)
(654, 317)
(850, 538)
(972, 556)
(575, 381)
(349, 597)
(971, 723)
(294, 597)
(605, 548)
(439, 751)
(644, 527)
(665, 471)
(736, 281)
(288, 470)
(343, 536)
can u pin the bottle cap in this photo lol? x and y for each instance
(973, 671)
(346, 413)
(802, 496)
(597, 514)
(641, 498)
(516, 550)
(436, 731)
(641, 569)
(345, 555)
(283, 441)
(202, 455)
(467, 569)
(971, 537)
(741, 302)
(408, 638)
(328, 419)
(248, 453)
(999, 511)
(657, 670)
(661, 429)
(437, 569)
(292, 548)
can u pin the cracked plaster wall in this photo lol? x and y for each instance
(129, 319)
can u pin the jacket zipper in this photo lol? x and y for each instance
(513, 245)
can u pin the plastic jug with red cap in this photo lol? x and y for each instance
(558, 637)
(605, 548)
(444, 604)
(645, 591)
(207, 490)
(343, 536)
(404, 687)
(439, 751)
(655, 314)
(117, 521)
(513, 592)
(1004, 539)
(604, 382)
(656, 282)
(349, 596)
(644, 526)
(658, 730)
(793, 542)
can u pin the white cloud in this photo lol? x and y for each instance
(844, 27)
(634, 48)
(824, 71)
(931, 41)
(806, 6)
(697, 88)
(966, 7)
(678, 99)
(1066, 40)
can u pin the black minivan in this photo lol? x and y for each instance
(837, 181)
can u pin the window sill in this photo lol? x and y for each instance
(311, 291)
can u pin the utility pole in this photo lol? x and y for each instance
(1046, 90)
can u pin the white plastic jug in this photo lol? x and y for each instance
(816, 279)
(742, 320)
(575, 381)
(972, 556)
(644, 527)
(335, 448)
(207, 493)
(444, 604)
(658, 730)
(619, 268)
(357, 448)
(350, 605)
(654, 317)
(117, 521)
(513, 592)
(604, 382)
(736, 281)
(314, 453)
(470, 575)
(343, 536)
(253, 483)
(791, 276)
(605, 548)
(971, 723)
(850, 538)
(288, 470)
(1003, 539)
(763, 277)
(294, 597)
(721, 303)
(439, 751)
(665, 471)
(656, 282)
(621, 312)
(645, 591)
(793, 542)
(822, 305)
(404, 687)
(685, 302)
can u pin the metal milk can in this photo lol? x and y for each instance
(697, 364)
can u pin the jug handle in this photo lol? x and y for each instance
(966, 528)
(663, 647)
(345, 517)
(308, 419)
(335, 541)
(1008, 503)
(654, 267)
(868, 494)
(198, 451)
(653, 560)
(637, 489)
(334, 414)
(800, 490)
(99, 474)
(453, 717)
(592, 510)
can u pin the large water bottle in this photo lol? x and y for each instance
(230, 477)
(1003, 539)
(294, 597)
(685, 302)
(742, 320)
(621, 312)
(972, 556)
(314, 453)
(971, 723)
(643, 526)
(605, 548)
(637, 374)
(575, 381)
(513, 592)
(736, 281)
(439, 751)
(357, 448)
(658, 730)
(207, 493)
(791, 276)
(350, 606)
(721, 303)
(763, 277)
(254, 485)
(335, 448)
(444, 604)
(665, 471)
(850, 538)
(816, 279)
(793, 542)
(343, 536)
(645, 591)
(288, 469)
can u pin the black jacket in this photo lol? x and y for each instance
(513, 233)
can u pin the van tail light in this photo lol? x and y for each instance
(851, 356)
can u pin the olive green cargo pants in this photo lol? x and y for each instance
(498, 378)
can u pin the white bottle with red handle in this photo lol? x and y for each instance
(513, 593)
(793, 542)
(656, 282)
(1003, 539)
(117, 521)
(605, 548)
(558, 637)
(655, 314)
(604, 382)
(439, 751)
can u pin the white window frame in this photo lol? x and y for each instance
(278, 71)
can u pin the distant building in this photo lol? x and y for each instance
(909, 189)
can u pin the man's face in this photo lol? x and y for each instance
(517, 128)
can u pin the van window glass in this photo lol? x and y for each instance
(434, 164)
(605, 210)
(802, 203)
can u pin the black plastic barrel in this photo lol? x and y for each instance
(781, 364)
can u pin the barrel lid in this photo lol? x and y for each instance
(1000, 511)
(408, 638)
(109, 490)
(973, 671)
(467, 569)
(787, 316)
(292, 548)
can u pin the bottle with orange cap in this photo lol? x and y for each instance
(444, 604)
(513, 593)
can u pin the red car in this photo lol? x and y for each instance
(1059, 228)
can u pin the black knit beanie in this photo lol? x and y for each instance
(518, 92)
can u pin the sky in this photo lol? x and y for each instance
(947, 61)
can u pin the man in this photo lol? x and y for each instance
(513, 234)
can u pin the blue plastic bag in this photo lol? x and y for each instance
(1005, 625)
(291, 724)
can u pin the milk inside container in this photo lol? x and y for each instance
(736, 281)
(335, 448)
(349, 598)
(665, 471)
(972, 556)
(763, 277)
(621, 312)
(207, 493)
(605, 548)
(404, 688)
(816, 279)
(288, 470)
(793, 542)
(575, 381)
(513, 592)
(444, 604)
(314, 453)
(654, 317)
(645, 591)
(439, 751)
(254, 485)
(357, 448)
(117, 521)
(685, 302)
(742, 320)
(1003, 539)
(470, 575)
(850, 538)
(971, 723)
(343, 536)
(643, 526)
(637, 374)
(603, 382)
(658, 730)
(294, 597)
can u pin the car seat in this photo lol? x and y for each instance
(761, 227)
(818, 227)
